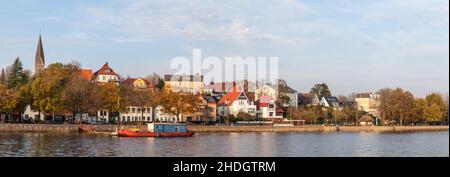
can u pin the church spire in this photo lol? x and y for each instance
(40, 58)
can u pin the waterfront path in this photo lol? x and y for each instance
(71, 128)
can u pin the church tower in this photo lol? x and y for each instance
(40, 58)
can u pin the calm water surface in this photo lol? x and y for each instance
(359, 144)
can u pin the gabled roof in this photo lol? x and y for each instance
(287, 89)
(183, 78)
(308, 95)
(86, 74)
(331, 99)
(231, 96)
(363, 95)
(105, 70)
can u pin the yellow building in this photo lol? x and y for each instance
(368, 102)
(184, 83)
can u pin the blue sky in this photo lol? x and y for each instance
(352, 45)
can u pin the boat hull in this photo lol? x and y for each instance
(130, 133)
(85, 129)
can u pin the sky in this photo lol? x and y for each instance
(352, 45)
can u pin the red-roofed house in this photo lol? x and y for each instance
(267, 108)
(105, 74)
(139, 83)
(86, 74)
(234, 102)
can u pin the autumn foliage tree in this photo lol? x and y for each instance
(110, 95)
(141, 99)
(46, 89)
(78, 96)
(7, 101)
(177, 104)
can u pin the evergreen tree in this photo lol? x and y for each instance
(3, 77)
(17, 77)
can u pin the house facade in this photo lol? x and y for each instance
(234, 102)
(267, 108)
(136, 114)
(105, 75)
(330, 102)
(308, 99)
(368, 102)
(139, 83)
(185, 83)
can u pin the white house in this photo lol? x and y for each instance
(267, 108)
(31, 114)
(105, 74)
(331, 101)
(291, 94)
(234, 102)
(135, 114)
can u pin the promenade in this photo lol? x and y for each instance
(71, 128)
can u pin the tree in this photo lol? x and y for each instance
(283, 100)
(338, 116)
(110, 95)
(17, 77)
(420, 106)
(433, 113)
(3, 77)
(47, 87)
(385, 108)
(321, 90)
(78, 96)
(435, 98)
(7, 101)
(156, 80)
(243, 116)
(155, 98)
(403, 105)
(176, 104)
(141, 99)
(23, 99)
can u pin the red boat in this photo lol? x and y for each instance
(85, 128)
(157, 130)
(132, 133)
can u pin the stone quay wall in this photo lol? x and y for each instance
(310, 128)
(71, 128)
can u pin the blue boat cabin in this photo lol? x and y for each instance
(166, 128)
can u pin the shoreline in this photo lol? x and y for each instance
(105, 129)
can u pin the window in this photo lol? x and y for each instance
(271, 114)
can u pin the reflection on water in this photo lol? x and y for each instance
(230, 145)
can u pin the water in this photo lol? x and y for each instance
(360, 144)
